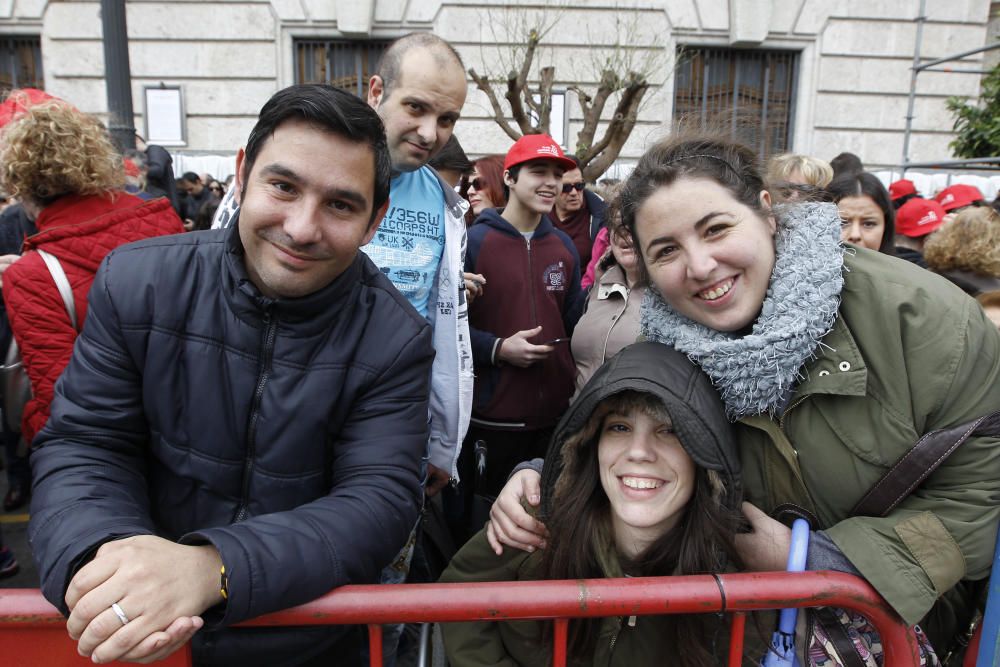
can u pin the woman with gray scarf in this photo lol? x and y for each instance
(832, 362)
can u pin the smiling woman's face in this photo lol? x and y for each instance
(647, 475)
(708, 254)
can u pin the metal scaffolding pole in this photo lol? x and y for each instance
(117, 74)
(921, 18)
(931, 66)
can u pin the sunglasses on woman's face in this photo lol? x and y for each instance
(569, 187)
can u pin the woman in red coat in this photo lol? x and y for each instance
(62, 165)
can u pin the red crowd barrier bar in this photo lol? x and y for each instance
(607, 597)
(731, 593)
(33, 634)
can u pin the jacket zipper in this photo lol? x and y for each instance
(267, 339)
(802, 512)
(534, 312)
(617, 318)
(781, 419)
(531, 286)
(614, 640)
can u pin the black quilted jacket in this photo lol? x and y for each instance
(287, 433)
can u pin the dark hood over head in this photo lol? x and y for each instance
(695, 409)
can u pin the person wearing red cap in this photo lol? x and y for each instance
(521, 324)
(902, 191)
(956, 197)
(915, 220)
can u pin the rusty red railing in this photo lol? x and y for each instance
(23, 612)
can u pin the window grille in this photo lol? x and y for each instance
(21, 63)
(340, 63)
(749, 92)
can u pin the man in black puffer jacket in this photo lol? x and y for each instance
(251, 401)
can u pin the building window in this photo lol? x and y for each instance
(750, 93)
(21, 63)
(341, 63)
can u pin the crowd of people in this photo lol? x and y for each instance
(369, 358)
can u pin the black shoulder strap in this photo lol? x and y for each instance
(929, 452)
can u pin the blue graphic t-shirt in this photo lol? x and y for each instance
(410, 239)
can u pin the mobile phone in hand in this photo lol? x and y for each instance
(555, 341)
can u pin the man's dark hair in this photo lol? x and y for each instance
(451, 157)
(846, 163)
(576, 161)
(897, 203)
(191, 177)
(329, 109)
(514, 172)
(392, 60)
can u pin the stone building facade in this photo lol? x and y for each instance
(847, 62)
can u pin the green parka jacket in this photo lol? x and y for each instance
(637, 641)
(909, 353)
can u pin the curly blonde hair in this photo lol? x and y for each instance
(54, 150)
(971, 242)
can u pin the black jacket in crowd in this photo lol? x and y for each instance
(160, 180)
(287, 433)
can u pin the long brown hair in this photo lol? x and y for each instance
(702, 541)
(490, 170)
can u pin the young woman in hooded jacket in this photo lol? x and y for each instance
(642, 478)
(832, 362)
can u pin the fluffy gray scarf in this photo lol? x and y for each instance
(755, 373)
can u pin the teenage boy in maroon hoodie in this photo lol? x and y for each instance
(520, 325)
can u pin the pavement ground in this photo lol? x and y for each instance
(15, 535)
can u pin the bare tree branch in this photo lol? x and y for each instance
(517, 111)
(625, 104)
(545, 99)
(592, 118)
(606, 151)
(483, 84)
(517, 86)
(583, 97)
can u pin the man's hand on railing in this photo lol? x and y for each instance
(140, 598)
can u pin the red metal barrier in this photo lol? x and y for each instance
(33, 634)
(22, 611)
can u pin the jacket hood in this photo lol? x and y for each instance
(697, 413)
(595, 204)
(492, 217)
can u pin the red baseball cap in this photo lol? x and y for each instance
(919, 217)
(957, 196)
(536, 147)
(901, 188)
(131, 168)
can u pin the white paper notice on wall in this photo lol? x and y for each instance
(164, 116)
